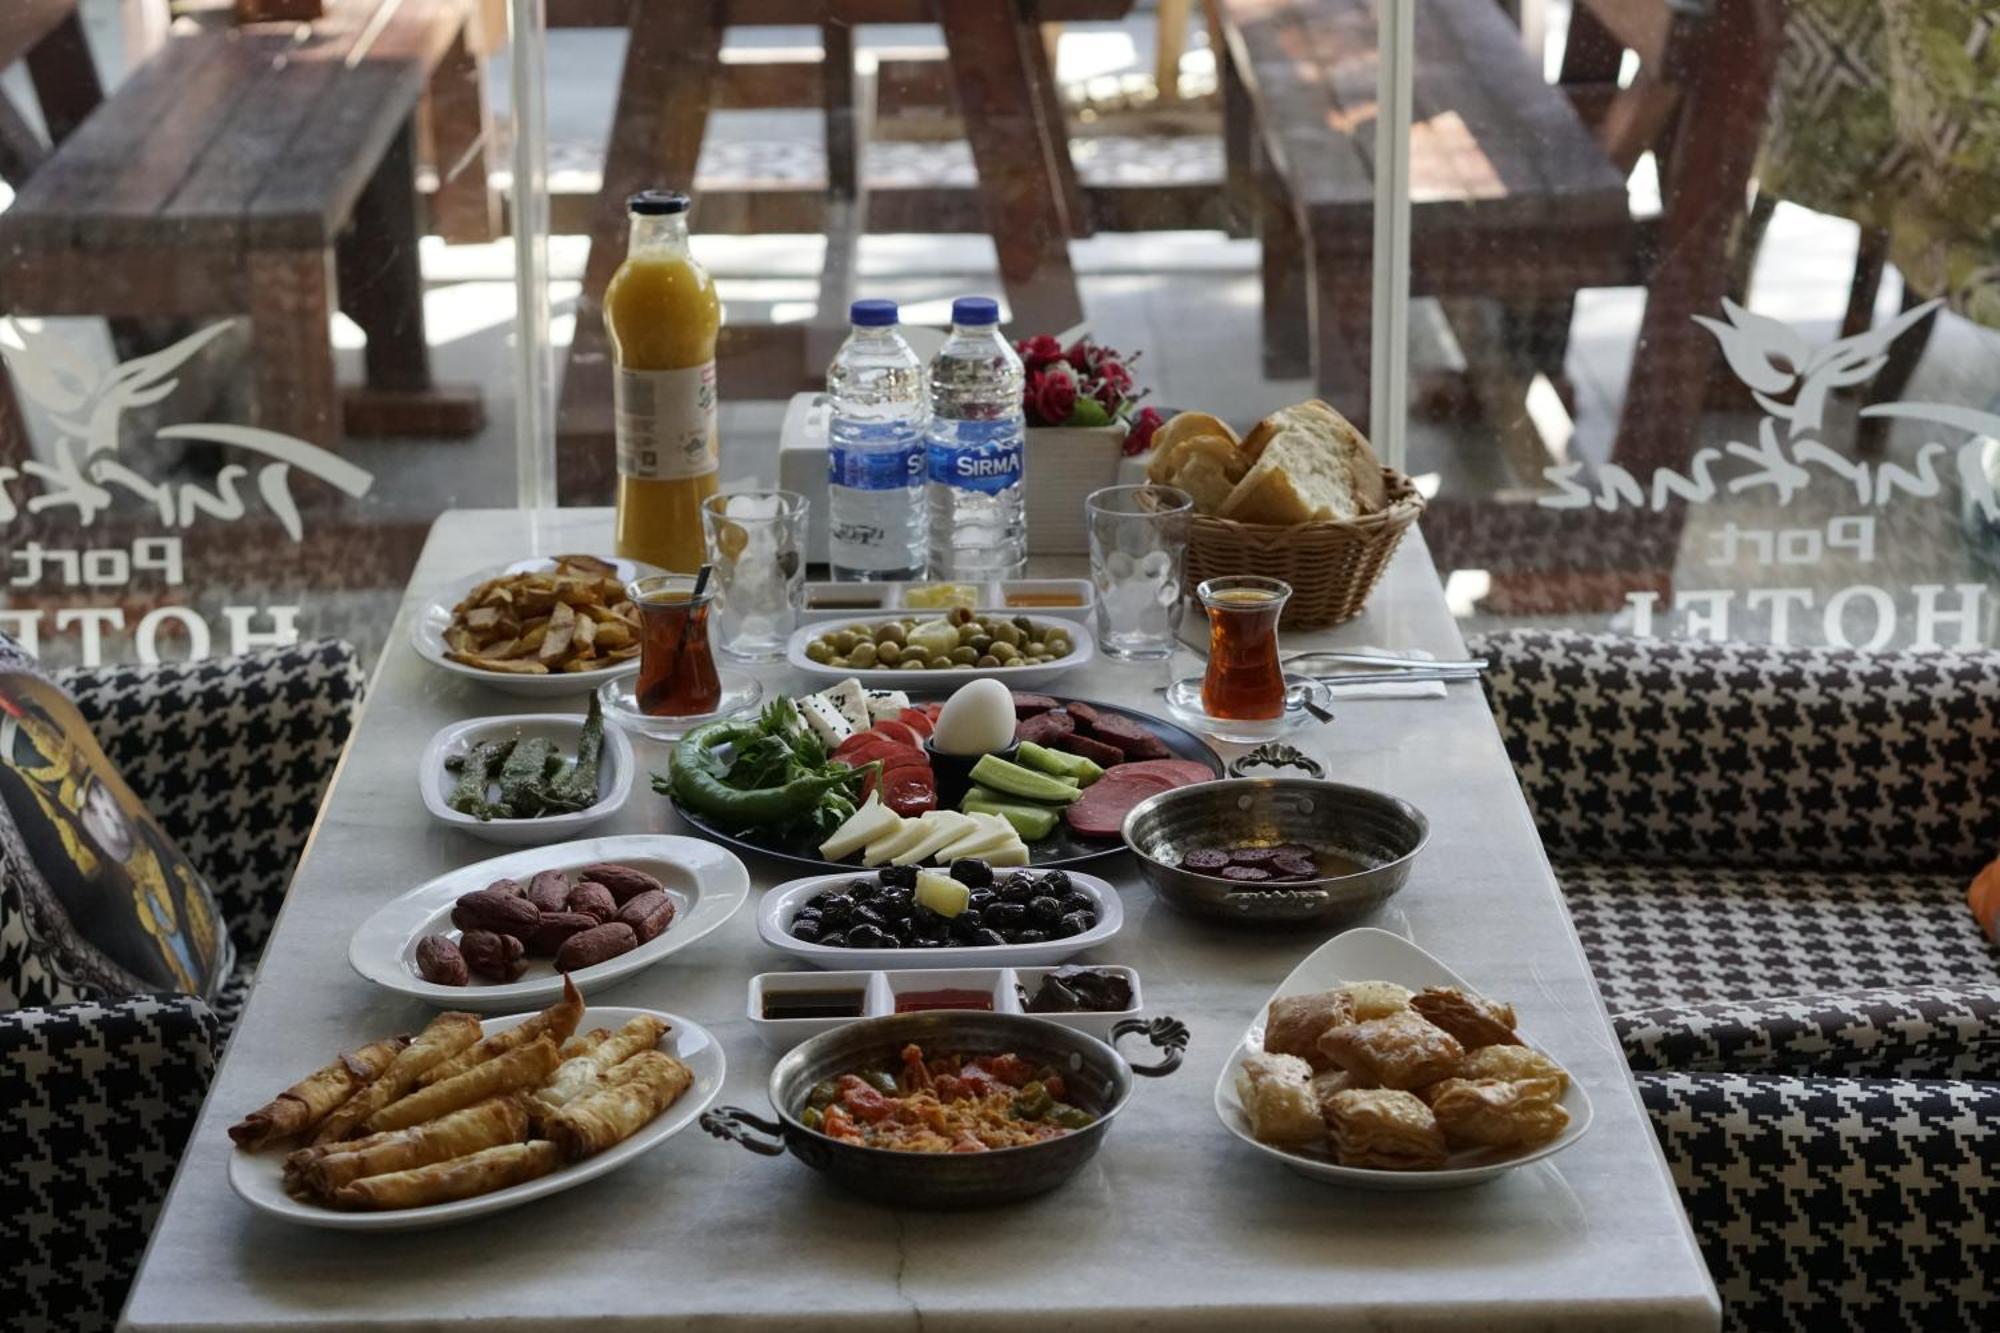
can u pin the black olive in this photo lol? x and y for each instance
(1056, 882)
(868, 916)
(937, 941)
(972, 872)
(864, 936)
(835, 909)
(804, 929)
(809, 912)
(903, 929)
(862, 891)
(927, 921)
(1017, 890)
(987, 936)
(966, 924)
(1074, 923)
(1006, 916)
(899, 877)
(1030, 936)
(981, 899)
(895, 901)
(1078, 902)
(1044, 911)
(837, 940)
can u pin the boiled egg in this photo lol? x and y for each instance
(978, 719)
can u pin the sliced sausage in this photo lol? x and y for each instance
(1100, 812)
(1097, 752)
(1246, 874)
(1132, 740)
(1205, 861)
(1028, 705)
(1044, 728)
(1183, 772)
(1086, 716)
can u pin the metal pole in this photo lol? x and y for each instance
(534, 359)
(1388, 390)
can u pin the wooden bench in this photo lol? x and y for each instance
(1511, 198)
(261, 170)
(48, 36)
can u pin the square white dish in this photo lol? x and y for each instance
(427, 629)
(880, 990)
(258, 1177)
(1368, 954)
(707, 885)
(614, 776)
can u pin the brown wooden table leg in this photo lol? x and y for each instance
(381, 285)
(664, 95)
(1287, 274)
(291, 313)
(465, 208)
(1728, 75)
(21, 149)
(1041, 62)
(65, 78)
(1013, 151)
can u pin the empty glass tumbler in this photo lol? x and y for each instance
(755, 542)
(1138, 549)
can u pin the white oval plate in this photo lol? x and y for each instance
(614, 776)
(781, 904)
(428, 626)
(1368, 954)
(706, 883)
(258, 1177)
(1083, 648)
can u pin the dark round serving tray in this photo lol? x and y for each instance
(1060, 848)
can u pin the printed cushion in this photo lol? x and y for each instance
(1668, 935)
(1918, 1032)
(96, 901)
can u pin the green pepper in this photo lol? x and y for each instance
(1033, 1102)
(475, 772)
(882, 1081)
(812, 1117)
(1072, 1117)
(823, 1095)
(698, 780)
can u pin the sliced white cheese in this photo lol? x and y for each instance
(851, 700)
(883, 704)
(825, 719)
(894, 843)
(1014, 853)
(947, 826)
(864, 826)
(978, 840)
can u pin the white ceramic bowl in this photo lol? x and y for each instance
(1083, 648)
(1368, 954)
(259, 1176)
(427, 629)
(614, 776)
(880, 989)
(706, 883)
(781, 904)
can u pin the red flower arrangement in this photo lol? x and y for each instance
(1084, 384)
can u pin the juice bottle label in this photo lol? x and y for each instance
(666, 422)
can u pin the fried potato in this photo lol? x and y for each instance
(572, 616)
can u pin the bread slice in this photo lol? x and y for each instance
(1208, 468)
(1344, 482)
(1180, 428)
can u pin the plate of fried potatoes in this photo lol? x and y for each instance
(557, 625)
(476, 1116)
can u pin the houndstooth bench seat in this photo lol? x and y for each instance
(1765, 852)
(232, 757)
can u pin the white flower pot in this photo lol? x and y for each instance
(1066, 463)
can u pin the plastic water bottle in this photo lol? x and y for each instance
(976, 446)
(875, 450)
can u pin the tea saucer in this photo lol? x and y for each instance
(1184, 702)
(620, 701)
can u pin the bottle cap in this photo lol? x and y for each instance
(872, 314)
(975, 310)
(658, 203)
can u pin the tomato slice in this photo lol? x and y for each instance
(901, 731)
(916, 719)
(910, 789)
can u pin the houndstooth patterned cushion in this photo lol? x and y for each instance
(1661, 935)
(1924, 1032)
(96, 1103)
(1739, 754)
(232, 756)
(1832, 1204)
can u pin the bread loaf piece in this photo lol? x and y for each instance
(1312, 464)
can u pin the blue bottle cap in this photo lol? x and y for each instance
(975, 310)
(872, 314)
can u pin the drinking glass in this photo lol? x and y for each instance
(1244, 681)
(677, 676)
(754, 543)
(1138, 546)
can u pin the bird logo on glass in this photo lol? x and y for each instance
(83, 470)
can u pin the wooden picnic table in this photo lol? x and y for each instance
(1006, 94)
(268, 170)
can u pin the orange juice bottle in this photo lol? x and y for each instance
(662, 316)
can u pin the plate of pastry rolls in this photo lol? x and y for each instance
(469, 1115)
(1375, 1065)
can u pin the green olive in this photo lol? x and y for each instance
(888, 652)
(819, 650)
(1025, 625)
(888, 632)
(838, 662)
(1058, 645)
(982, 643)
(964, 656)
(1006, 652)
(967, 633)
(914, 662)
(863, 655)
(959, 615)
(842, 641)
(939, 662)
(987, 663)
(1007, 634)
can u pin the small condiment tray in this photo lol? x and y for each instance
(1070, 599)
(880, 992)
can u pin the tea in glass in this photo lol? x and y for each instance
(677, 676)
(1244, 681)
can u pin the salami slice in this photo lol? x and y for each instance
(1100, 812)
(1132, 740)
(1184, 772)
(1097, 752)
(1045, 728)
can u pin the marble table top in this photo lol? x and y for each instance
(1173, 1225)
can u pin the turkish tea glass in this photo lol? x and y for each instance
(1138, 548)
(1244, 681)
(677, 676)
(756, 544)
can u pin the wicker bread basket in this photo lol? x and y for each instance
(1331, 565)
